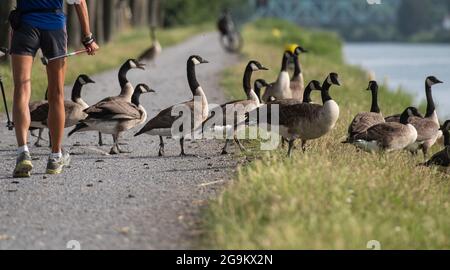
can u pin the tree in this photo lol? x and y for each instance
(417, 15)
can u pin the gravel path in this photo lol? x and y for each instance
(135, 201)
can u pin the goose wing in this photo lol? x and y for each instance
(165, 119)
(40, 112)
(426, 129)
(384, 133)
(364, 121)
(289, 114)
(114, 110)
(441, 158)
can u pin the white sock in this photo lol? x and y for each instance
(56, 155)
(23, 149)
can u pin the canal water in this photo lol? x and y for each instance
(407, 66)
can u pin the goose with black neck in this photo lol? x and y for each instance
(115, 117)
(281, 89)
(239, 108)
(162, 124)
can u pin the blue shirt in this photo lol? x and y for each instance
(44, 21)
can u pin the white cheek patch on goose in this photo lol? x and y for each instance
(133, 64)
(254, 67)
(329, 80)
(195, 61)
(429, 82)
(82, 81)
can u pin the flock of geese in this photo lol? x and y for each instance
(299, 118)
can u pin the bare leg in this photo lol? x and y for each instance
(21, 66)
(224, 150)
(161, 146)
(56, 115)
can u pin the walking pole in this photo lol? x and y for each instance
(10, 124)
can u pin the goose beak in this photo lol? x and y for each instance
(205, 61)
(439, 81)
(141, 66)
(263, 68)
(151, 91)
(90, 81)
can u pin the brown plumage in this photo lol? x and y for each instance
(387, 137)
(297, 81)
(363, 121)
(115, 117)
(155, 49)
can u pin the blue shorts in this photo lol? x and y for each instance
(27, 40)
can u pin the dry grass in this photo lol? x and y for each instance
(331, 197)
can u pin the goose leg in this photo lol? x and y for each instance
(224, 150)
(183, 154)
(291, 147)
(240, 144)
(115, 148)
(304, 145)
(100, 139)
(161, 146)
(118, 146)
(39, 138)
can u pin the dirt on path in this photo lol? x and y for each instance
(133, 201)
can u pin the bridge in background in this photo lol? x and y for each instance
(327, 12)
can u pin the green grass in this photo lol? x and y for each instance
(331, 197)
(128, 44)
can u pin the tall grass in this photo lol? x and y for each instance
(331, 197)
(128, 44)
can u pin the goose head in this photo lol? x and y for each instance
(133, 64)
(260, 84)
(333, 79)
(84, 79)
(3, 52)
(299, 50)
(408, 113)
(138, 91)
(312, 86)
(373, 86)
(432, 80)
(256, 66)
(197, 60)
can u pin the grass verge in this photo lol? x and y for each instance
(331, 197)
(128, 44)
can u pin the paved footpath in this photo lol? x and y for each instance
(134, 201)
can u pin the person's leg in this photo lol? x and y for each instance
(21, 66)
(56, 117)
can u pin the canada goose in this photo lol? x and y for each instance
(312, 86)
(155, 49)
(115, 117)
(73, 108)
(442, 158)
(431, 108)
(306, 121)
(126, 88)
(297, 81)
(281, 88)
(240, 107)
(390, 136)
(162, 124)
(363, 121)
